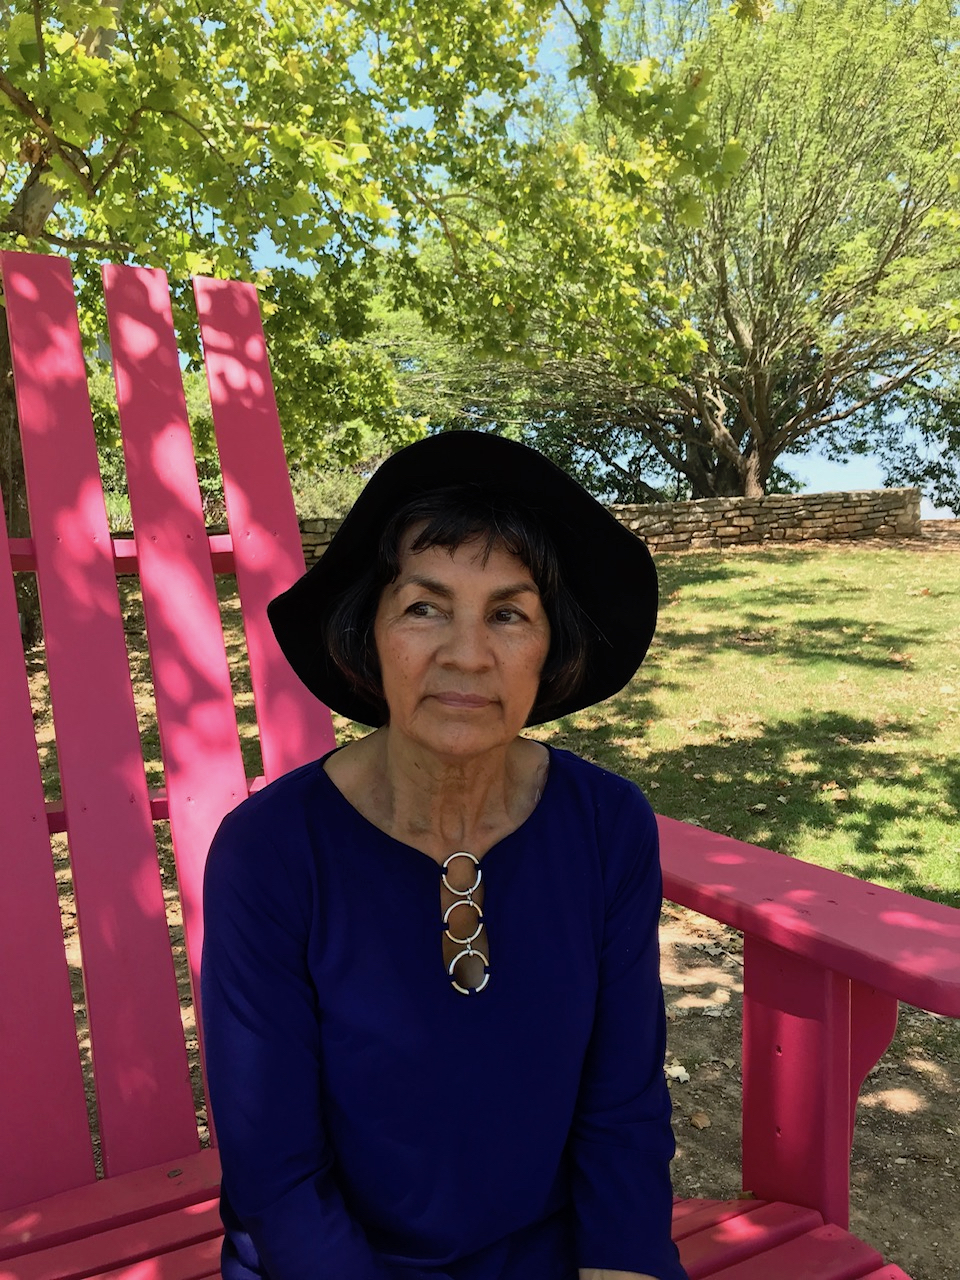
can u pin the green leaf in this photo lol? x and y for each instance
(21, 38)
(89, 103)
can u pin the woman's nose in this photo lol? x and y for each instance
(467, 645)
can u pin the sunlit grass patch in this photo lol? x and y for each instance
(805, 699)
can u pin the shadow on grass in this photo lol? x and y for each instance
(807, 640)
(785, 781)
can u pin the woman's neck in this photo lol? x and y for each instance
(440, 805)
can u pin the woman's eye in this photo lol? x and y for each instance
(421, 609)
(507, 614)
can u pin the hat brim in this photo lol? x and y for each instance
(607, 568)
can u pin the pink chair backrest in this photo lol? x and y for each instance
(144, 1105)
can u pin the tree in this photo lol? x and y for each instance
(816, 262)
(197, 139)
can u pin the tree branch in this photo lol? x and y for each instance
(63, 149)
(38, 27)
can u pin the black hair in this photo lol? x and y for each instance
(452, 517)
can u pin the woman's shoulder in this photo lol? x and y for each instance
(273, 821)
(280, 796)
(614, 810)
(603, 784)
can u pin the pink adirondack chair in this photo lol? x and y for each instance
(826, 957)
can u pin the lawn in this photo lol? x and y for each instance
(803, 699)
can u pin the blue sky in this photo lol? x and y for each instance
(821, 475)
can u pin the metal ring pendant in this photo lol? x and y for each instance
(446, 923)
(464, 898)
(469, 991)
(462, 893)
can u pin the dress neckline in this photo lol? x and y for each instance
(541, 804)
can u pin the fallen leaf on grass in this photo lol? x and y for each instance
(700, 1120)
(758, 808)
(676, 1071)
(833, 791)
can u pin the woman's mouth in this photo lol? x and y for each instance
(462, 701)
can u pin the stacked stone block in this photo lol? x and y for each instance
(317, 535)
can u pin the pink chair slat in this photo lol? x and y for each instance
(731, 1240)
(125, 554)
(202, 763)
(120, 1246)
(267, 549)
(110, 1203)
(889, 1272)
(40, 1073)
(22, 559)
(703, 1215)
(825, 1253)
(195, 1262)
(143, 1091)
(682, 1209)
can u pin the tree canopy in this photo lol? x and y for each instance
(816, 264)
(208, 139)
(202, 139)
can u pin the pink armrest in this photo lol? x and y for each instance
(905, 946)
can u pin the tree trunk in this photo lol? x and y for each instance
(753, 481)
(719, 478)
(13, 488)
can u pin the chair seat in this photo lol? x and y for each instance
(160, 1223)
(163, 1224)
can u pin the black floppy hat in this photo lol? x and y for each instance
(607, 569)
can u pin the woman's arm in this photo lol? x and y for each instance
(262, 1048)
(595, 1273)
(621, 1142)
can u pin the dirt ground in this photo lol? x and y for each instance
(905, 1175)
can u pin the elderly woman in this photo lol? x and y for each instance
(433, 1019)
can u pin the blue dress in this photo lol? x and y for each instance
(373, 1123)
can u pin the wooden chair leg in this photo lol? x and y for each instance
(809, 1038)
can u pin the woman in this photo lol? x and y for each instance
(433, 1021)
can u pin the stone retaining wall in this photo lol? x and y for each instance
(945, 531)
(724, 522)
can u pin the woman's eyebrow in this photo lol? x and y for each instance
(515, 589)
(526, 587)
(428, 584)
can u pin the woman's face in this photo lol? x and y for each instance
(461, 644)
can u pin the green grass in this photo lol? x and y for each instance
(807, 700)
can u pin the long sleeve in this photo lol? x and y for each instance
(261, 1033)
(621, 1141)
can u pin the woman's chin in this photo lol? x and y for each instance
(456, 735)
